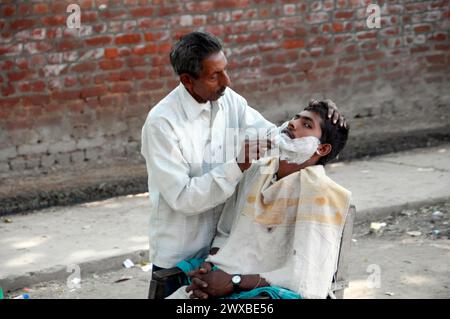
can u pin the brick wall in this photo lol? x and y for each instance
(70, 96)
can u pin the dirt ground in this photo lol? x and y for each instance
(410, 256)
(388, 263)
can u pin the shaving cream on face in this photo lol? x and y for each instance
(296, 151)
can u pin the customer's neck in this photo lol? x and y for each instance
(285, 168)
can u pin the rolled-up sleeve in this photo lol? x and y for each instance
(166, 164)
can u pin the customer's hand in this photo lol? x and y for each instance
(213, 284)
(197, 284)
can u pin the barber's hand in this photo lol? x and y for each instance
(252, 150)
(333, 112)
(218, 284)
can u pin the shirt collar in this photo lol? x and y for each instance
(190, 105)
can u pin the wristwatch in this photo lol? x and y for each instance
(236, 281)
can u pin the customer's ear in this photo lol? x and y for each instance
(323, 149)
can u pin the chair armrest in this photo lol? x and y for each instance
(159, 279)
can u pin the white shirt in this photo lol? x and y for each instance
(189, 172)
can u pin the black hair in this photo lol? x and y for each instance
(189, 52)
(333, 134)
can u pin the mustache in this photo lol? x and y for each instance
(222, 90)
(288, 133)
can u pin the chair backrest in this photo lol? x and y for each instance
(341, 276)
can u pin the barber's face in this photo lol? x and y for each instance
(305, 123)
(212, 81)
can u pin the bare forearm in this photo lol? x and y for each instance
(250, 282)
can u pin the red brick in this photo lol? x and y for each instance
(70, 81)
(436, 59)
(124, 87)
(338, 27)
(40, 99)
(294, 44)
(102, 40)
(281, 57)
(438, 37)
(112, 77)
(93, 91)
(111, 100)
(164, 47)
(66, 95)
(142, 12)
(390, 31)
(419, 49)
(160, 60)
(10, 49)
(168, 10)
(67, 45)
(111, 53)
(113, 14)
(58, 7)
(128, 39)
(132, 74)
(136, 61)
(59, 21)
(154, 36)
(8, 10)
(200, 6)
(343, 70)
(9, 102)
(110, 64)
(87, 66)
(40, 8)
(37, 86)
(343, 15)
(89, 17)
(152, 85)
(443, 47)
(366, 35)
(85, 79)
(8, 90)
(145, 49)
(17, 76)
(276, 70)
(422, 28)
(86, 4)
(324, 63)
(37, 60)
(22, 24)
(317, 17)
(319, 41)
(374, 56)
(124, 51)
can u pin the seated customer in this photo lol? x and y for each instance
(284, 221)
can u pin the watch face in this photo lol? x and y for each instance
(236, 279)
